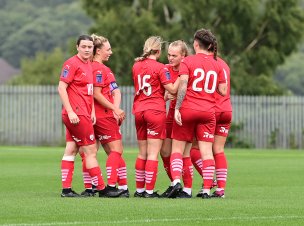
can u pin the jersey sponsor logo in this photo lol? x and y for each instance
(99, 77)
(104, 137)
(151, 132)
(76, 139)
(224, 130)
(113, 85)
(208, 135)
(90, 89)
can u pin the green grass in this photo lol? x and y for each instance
(264, 188)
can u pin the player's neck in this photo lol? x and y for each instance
(97, 59)
(204, 52)
(153, 57)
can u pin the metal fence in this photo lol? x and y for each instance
(31, 115)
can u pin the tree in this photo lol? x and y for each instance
(31, 26)
(254, 36)
(44, 69)
(290, 74)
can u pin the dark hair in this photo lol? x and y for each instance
(84, 37)
(206, 41)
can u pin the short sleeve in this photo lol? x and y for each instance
(68, 72)
(165, 76)
(183, 68)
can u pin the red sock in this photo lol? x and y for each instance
(140, 166)
(221, 169)
(151, 174)
(166, 163)
(196, 160)
(122, 173)
(67, 171)
(208, 172)
(112, 165)
(96, 176)
(176, 165)
(85, 173)
(187, 172)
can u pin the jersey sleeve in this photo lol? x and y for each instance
(68, 72)
(165, 76)
(99, 78)
(111, 79)
(183, 68)
(223, 76)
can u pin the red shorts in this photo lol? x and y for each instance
(82, 133)
(107, 130)
(169, 122)
(198, 123)
(150, 124)
(223, 123)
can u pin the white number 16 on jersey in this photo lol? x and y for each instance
(144, 85)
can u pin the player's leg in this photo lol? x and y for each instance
(155, 134)
(220, 165)
(140, 163)
(67, 169)
(187, 174)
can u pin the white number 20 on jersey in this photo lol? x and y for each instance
(200, 74)
(144, 85)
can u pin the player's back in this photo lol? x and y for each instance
(149, 76)
(204, 76)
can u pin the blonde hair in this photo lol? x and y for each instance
(184, 49)
(98, 42)
(152, 45)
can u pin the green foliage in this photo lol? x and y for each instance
(44, 69)
(233, 140)
(290, 74)
(254, 36)
(33, 25)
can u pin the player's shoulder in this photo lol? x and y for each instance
(222, 61)
(72, 61)
(190, 58)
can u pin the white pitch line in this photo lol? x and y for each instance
(157, 220)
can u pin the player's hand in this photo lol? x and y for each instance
(73, 118)
(171, 97)
(178, 117)
(93, 118)
(119, 114)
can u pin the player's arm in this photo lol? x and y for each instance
(222, 89)
(223, 83)
(117, 100)
(101, 99)
(62, 90)
(181, 93)
(93, 115)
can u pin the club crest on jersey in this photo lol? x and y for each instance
(168, 76)
(65, 73)
(99, 77)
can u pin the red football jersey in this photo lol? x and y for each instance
(174, 76)
(104, 78)
(223, 103)
(149, 76)
(78, 75)
(204, 76)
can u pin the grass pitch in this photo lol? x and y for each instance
(264, 188)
